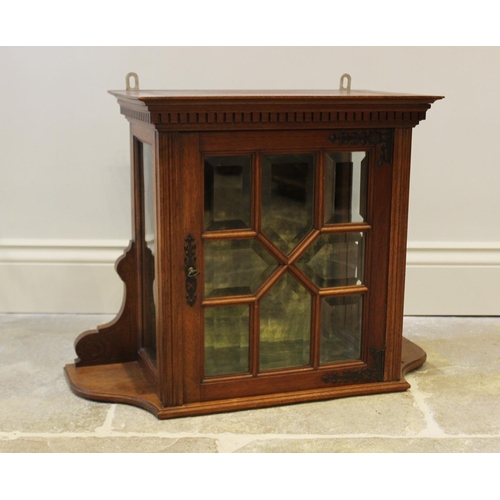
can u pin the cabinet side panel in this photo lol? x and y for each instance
(397, 255)
(143, 167)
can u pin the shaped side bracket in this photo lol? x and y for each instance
(117, 341)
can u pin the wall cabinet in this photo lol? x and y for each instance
(268, 255)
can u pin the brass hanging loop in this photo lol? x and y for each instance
(127, 81)
(343, 86)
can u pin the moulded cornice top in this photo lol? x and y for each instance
(150, 96)
(271, 109)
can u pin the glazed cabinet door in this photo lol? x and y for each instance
(284, 262)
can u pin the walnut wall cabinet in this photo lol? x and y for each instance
(268, 256)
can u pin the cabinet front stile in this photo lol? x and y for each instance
(397, 259)
(181, 219)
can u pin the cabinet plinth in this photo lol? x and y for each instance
(268, 255)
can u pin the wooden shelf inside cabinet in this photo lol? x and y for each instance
(268, 255)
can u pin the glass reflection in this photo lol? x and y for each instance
(235, 267)
(226, 340)
(335, 260)
(346, 176)
(287, 198)
(341, 320)
(285, 323)
(148, 254)
(227, 192)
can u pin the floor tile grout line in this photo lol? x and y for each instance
(107, 426)
(230, 445)
(432, 428)
(6, 436)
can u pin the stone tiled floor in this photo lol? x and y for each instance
(452, 406)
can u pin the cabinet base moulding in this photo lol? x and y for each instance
(127, 383)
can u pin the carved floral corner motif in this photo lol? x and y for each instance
(384, 138)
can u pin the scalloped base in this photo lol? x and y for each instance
(127, 383)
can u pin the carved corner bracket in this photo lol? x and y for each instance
(115, 342)
(374, 137)
(374, 373)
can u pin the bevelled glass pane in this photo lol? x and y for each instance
(148, 255)
(341, 321)
(226, 340)
(149, 208)
(227, 192)
(335, 260)
(287, 198)
(346, 176)
(285, 324)
(235, 267)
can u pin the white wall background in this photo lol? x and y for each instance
(64, 161)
